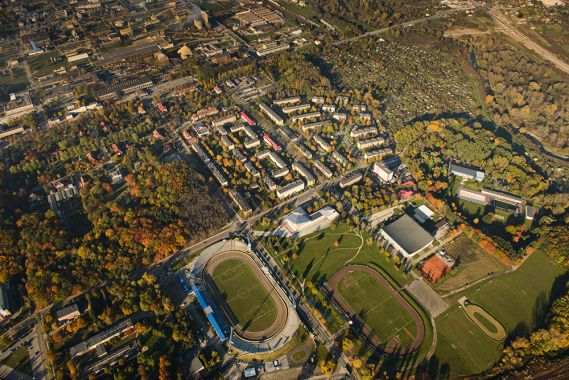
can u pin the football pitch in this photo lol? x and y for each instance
(248, 299)
(389, 321)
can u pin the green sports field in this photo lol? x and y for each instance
(249, 301)
(519, 301)
(379, 310)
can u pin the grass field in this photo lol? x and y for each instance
(474, 263)
(41, 63)
(20, 361)
(320, 258)
(379, 310)
(249, 301)
(519, 301)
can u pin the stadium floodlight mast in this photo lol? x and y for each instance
(230, 339)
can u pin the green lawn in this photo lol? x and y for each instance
(303, 11)
(474, 264)
(20, 361)
(248, 299)
(212, 7)
(519, 301)
(379, 310)
(486, 323)
(41, 64)
(179, 264)
(299, 355)
(318, 259)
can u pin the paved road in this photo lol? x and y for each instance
(409, 23)
(302, 309)
(494, 12)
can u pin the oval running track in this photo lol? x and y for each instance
(368, 334)
(281, 318)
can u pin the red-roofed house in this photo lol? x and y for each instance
(90, 157)
(408, 183)
(403, 194)
(117, 149)
(157, 135)
(434, 269)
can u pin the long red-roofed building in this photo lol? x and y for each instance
(270, 141)
(247, 119)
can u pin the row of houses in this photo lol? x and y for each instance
(310, 180)
(351, 179)
(323, 168)
(271, 114)
(272, 156)
(311, 126)
(240, 202)
(290, 189)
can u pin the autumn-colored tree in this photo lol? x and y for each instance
(57, 337)
(130, 180)
(51, 354)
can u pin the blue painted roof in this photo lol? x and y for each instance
(216, 326)
(199, 296)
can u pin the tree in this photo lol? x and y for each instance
(328, 367)
(51, 355)
(488, 219)
(357, 363)
(6, 340)
(130, 180)
(347, 345)
(57, 337)
(72, 367)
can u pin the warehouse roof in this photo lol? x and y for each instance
(408, 234)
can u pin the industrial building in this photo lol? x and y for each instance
(124, 88)
(406, 236)
(466, 171)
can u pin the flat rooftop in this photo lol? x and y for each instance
(408, 234)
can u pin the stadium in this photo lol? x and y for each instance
(382, 316)
(241, 300)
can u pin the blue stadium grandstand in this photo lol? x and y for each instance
(184, 284)
(211, 312)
